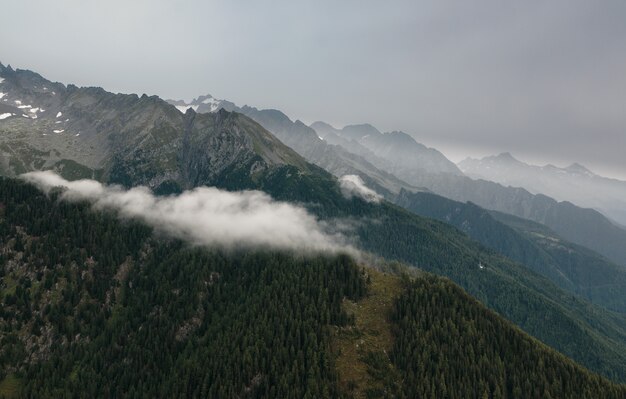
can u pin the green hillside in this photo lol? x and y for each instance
(570, 266)
(98, 307)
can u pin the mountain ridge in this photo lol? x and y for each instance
(574, 183)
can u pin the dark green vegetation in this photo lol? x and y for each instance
(570, 266)
(590, 335)
(449, 345)
(97, 307)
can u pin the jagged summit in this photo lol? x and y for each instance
(359, 131)
(506, 156)
(321, 125)
(578, 168)
(87, 132)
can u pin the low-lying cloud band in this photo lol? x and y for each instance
(205, 215)
(353, 186)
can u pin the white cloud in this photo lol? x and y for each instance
(205, 215)
(353, 185)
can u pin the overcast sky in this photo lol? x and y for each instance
(545, 80)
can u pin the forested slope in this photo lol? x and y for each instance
(449, 345)
(95, 306)
(570, 266)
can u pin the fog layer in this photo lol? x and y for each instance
(205, 215)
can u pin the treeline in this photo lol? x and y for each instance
(449, 345)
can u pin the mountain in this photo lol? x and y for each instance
(307, 143)
(146, 141)
(570, 266)
(109, 309)
(395, 152)
(582, 226)
(574, 183)
(127, 139)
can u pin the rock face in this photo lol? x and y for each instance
(326, 154)
(127, 139)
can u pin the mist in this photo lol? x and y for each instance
(206, 215)
(353, 186)
(574, 183)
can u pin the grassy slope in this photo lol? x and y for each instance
(371, 335)
(9, 387)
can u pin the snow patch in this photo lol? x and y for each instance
(34, 110)
(18, 102)
(213, 103)
(59, 114)
(184, 108)
(58, 131)
(2, 94)
(1, 80)
(77, 134)
(5, 115)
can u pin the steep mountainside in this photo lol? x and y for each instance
(98, 307)
(307, 143)
(570, 266)
(490, 352)
(90, 133)
(574, 183)
(585, 227)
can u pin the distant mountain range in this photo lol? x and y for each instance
(325, 154)
(393, 161)
(396, 152)
(574, 183)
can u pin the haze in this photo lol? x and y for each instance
(543, 80)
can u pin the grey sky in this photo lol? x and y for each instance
(545, 80)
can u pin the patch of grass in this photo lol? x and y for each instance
(362, 362)
(10, 387)
(10, 283)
